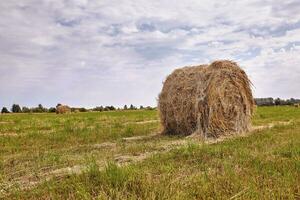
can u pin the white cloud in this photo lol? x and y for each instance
(88, 53)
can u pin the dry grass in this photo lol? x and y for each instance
(62, 109)
(92, 163)
(210, 100)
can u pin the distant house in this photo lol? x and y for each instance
(264, 101)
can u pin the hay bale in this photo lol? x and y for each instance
(62, 109)
(210, 100)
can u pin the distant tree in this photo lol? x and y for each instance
(40, 108)
(106, 108)
(35, 110)
(25, 109)
(277, 102)
(132, 107)
(59, 104)
(150, 108)
(52, 110)
(83, 110)
(111, 108)
(16, 108)
(98, 108)
(293, 100)
(141, 107)
(264, 101)
(4, 110)
(125, 107)
(286, 102)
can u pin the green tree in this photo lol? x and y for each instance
(16, 108)
(4, 110)
(52, 110)
(150, 108)
(99, 109)
(132, 107)
(42, 108)
(106, 108)
(83, 110)
(125, 107)
(111, 108)
(25, 109)
(277, 102)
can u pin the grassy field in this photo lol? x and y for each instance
(118, 155)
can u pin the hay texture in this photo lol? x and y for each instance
(62, 109)
(210, 100)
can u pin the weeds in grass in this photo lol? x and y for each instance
(264, 165)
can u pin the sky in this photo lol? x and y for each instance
(113, 52)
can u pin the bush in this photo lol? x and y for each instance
(132, 107)
(83, 110)
(150, 108)
(99, 109)
(52, 110)
(107, 108)
(41, 108)
(4, 110)
(25, 109)
(16, 108)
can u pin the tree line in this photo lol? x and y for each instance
(16, 108)
(276, 102)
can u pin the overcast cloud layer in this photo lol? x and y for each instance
(112, 52)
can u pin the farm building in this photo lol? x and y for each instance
(264, 101)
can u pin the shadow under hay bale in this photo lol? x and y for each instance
(210, 100)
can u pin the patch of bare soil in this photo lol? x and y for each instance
(270, 125)
(6, 122)
(104, 145)
(142, 122)
(9, 134)
(254, 128)
(142, 137)
(127, 159)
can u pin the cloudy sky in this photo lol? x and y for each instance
(113, 52)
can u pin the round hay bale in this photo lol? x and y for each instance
(62, 109)
(210, 100)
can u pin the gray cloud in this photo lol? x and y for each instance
(87, 53)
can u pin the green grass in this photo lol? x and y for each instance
(33, 141)
(263, 165)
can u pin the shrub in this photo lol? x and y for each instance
(83, 110)
(52, 110)
(4, 110)
(98, 108)
(25, 109)
(16, 108)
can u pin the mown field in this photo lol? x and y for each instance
(119, 155)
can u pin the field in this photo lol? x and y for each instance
(119, 155)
